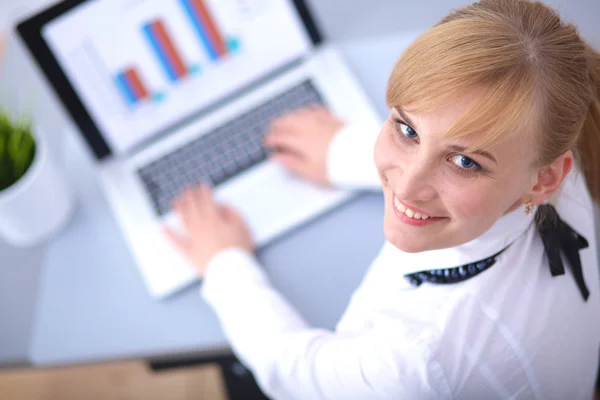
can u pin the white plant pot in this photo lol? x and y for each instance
(37, 206)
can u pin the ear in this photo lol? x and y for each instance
(550, 177)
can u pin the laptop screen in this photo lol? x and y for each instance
(142, 66)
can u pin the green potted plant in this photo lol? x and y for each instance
(17, 150)
(35, 198)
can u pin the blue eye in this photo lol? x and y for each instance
(465, 163)
(408, 131)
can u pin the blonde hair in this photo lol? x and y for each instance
(534, 71)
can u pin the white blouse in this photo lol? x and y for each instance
(512, 331)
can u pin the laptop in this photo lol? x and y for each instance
(170, 93)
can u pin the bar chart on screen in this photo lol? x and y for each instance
(144, 67)
(160, 48)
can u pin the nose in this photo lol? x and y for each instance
(415, 182)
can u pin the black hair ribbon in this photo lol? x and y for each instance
(557, 235)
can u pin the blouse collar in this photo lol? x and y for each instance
(504, 231)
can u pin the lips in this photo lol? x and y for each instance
(413, 217)
(410, 213)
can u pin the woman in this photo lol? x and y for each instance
(489, 163)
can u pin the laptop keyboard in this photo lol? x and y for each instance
(222, 153)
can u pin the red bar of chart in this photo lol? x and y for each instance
(136, 83)
(165, 50)
(206, 28)
(162, 36)
(131, 87)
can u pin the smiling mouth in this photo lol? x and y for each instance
(408, 212)
(413, 217)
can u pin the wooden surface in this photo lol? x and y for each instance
(129, 380)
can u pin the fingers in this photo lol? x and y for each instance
(289, 122)
(286, 142)
(185, 209)
(298, 130)
(295, 115)
(290, 161)
(176, 240)
(288, 134)
(195, 207)
(287, 126)
(319, 110)
(238, 226)
(205, 202)
(298, 116)
(230, 214)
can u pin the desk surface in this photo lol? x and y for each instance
(92, 305)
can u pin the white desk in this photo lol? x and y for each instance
(91, 304)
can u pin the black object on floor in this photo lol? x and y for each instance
(239, 381)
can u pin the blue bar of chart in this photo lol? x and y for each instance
(171, 59)
(165, 50)
(206, 28)
(125, 89)
(131, 87)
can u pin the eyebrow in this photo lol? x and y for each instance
(482, 153)
(456, 148)
(405, 117)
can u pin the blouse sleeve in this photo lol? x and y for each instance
(291, 360)
(350, 161)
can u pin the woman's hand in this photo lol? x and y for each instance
(209, 228)
(300, 141)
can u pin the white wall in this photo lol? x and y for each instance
(348, 19)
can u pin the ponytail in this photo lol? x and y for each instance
(588, 148)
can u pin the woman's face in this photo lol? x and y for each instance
(436, 194)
